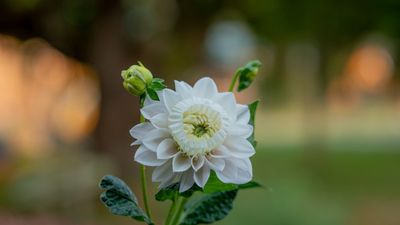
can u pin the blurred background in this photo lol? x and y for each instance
(328, 126)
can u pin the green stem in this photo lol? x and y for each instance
(180, 203)
(144, 190)
(171, 212)
(233, 82)
(144, 183)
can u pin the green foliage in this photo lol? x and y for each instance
(156, 84)
(168, 193)
(215, 185)
(209, 208)
(215, 203)
(252, 108)
(251, 184)
(120, 200)
(172, 191)
(247, 74)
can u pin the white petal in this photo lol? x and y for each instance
(201, 176)
(181, 163)
(244, 164)
(228, 103)
(146, 157)
(220, 152)
(160, 120)
(162, 172)
(187, 181)
(183, 89)
(137, 142)
(243, 177)
(169, 181)
(239, 147)
(234, 172)
(148, 101)
(242, 114)
(154, 109)
(241, 130)
(205, 88)
(217, 164)
(249, 168)
(167, 149)
(197, 162)
(141, 130)
(229, 173)
(154, 138)
(245, 170)
(170, 98)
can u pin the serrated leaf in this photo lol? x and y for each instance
(247, 74)
(209, 208)
(215, 185)
(120, 200)
(252, 108)
(170, 192)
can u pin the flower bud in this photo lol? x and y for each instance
(253, 72)
(136, 78)
(247, 74)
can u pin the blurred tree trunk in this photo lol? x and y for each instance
(119, 110)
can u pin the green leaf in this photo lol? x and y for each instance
(152, 94)
(252, 108)
(209, 208)
(215, 185)
(247, 74)
(251, 184)
(168, 193)
(190, 192)
(172, 191)
(156, 84)
(120, 200)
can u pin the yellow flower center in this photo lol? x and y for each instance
(198, 126)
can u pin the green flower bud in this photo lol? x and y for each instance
(253, 72)
(136, 78)
(247, 74)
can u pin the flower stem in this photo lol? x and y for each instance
(233, 82)
(144, 190)
(171, 213)
(144, 183)
(180, 201)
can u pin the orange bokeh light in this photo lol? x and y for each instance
(46, 99)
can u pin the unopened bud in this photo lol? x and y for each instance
(247, 74)
(136, 78)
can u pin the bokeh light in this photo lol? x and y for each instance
(47, 97)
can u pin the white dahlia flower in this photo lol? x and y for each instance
(194, 130)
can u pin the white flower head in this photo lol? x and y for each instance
(192, 131)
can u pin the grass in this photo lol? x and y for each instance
(321, 188)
